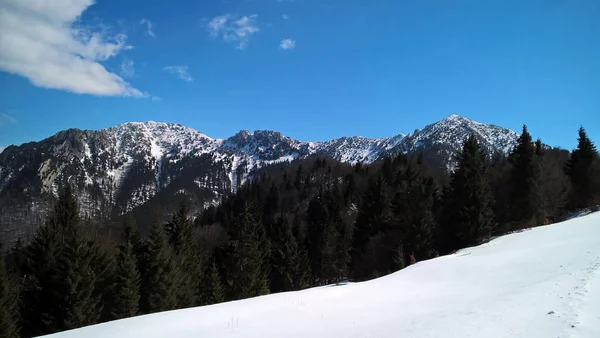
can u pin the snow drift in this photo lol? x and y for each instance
(543, 282)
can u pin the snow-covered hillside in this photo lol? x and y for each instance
(543, 282)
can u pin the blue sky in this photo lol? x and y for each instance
(312, 69)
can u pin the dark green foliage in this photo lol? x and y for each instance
(468, 215)
(525, 182)
(374, 217)
(250, 271)
(213, 287)
(413, 218)
(583, 171)
(159, 287)
(126, 292)
(288, 262)
(187, 269)
(60, 291)
(8, 313)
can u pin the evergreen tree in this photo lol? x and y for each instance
(374, 217)
(214, 292)
(468, 207)
(60, 288)
(159, 283)
(413, 214)
(582, 170)
(287, 272)
(525, 182)
(8, 316)
(186, 268)
(251, 268)
(126, 293)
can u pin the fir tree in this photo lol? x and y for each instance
(582, 171)
(214, 291)
(251, 270)
(8, 316)
(186, 263)
(290, 269)
(525, 181)
(413, 214)
(60, 288)
(468, 207)
(159, 287)
(374, 216)
(126, 293)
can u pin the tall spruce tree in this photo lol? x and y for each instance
(60, 288)
(582, 170)
(126, 293)
(374, 217)
(525, 182)
(159, 283)
(213, 292)
(288, 272)
(187, 267)
(468, 215)
(8, 302)
(250, 273)
(413, 216)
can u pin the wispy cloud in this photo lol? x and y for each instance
(287, 44)
(285, 17)
(7, 119)
(180, 71)
(127, 68)
(148, 24)
(234, 29)
(44, 42)
(156, 98)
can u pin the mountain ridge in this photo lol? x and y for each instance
(118, 168)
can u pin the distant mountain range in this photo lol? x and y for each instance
(119, 168)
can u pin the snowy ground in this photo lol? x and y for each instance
(543, 282)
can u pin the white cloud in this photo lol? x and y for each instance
(285, 17)
(234, 29)
(156, 98)
(127, 68)
(148, 25)
(287, 44)
(44, 42)
(6, 119)
(181, 72)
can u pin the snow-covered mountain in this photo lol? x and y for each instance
(544, 282)
(121, 167)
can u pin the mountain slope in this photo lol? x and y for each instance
(544, 282)
(119, 168)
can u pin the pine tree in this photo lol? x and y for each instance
(525, 181)
(159, 287)
(214, 291)
(288, 263)
(126, 293)
(251, 270)
(186, 266)
(413, 214)
(374, 217)
(582, 170)
(468, 204)
(8, 316)
(60, 288)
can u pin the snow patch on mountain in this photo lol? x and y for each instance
(147, 156)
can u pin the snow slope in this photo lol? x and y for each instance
(544, 282)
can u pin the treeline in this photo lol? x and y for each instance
(312, 223)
